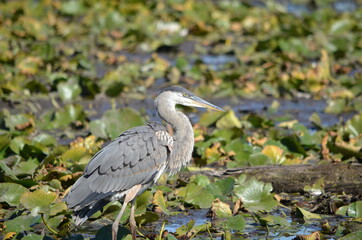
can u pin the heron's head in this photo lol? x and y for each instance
(182, 96)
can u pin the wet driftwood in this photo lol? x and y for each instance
(337, 178)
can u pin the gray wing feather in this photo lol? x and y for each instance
(132, 158)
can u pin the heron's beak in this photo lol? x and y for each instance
(204, 104)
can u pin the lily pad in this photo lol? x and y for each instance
(21, 223)
(255, 195)
(235, 223)
(114, 122)
(69, 91)
(106, 233)
(354, 125)
(11, 193)
(221, 209)
(228, 120)
(159, 200)
(352, 236)
(38, 201)
(306, 215)
(351, 210)
(196, 195)
(275, 153)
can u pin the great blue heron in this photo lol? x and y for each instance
(136, 159)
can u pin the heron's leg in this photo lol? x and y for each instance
(116, 222)
(132, 221)
(130, 195)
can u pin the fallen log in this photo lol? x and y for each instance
(337, 178)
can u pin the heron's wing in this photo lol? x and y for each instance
(138, 156)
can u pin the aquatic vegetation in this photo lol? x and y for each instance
(74, 74)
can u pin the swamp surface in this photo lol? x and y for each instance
(75, 74)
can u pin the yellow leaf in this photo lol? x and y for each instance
(288, 124)
(9, 235)
(220, 209)
(229, 120)
(275, 153)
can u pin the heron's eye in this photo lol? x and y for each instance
(185, 94)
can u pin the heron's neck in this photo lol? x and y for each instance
(183, 135)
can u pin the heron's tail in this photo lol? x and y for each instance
(83, 214)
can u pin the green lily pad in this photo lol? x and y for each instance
(235, 223)
(57, 208)
(106, 233)
(147, 217)
(209, 118)
(336, 106)
(33, 236)
(68, 91)
(271, 220)
(185, 228)
(228, 120)
(196, 195)
(11, 193)
(21, 223)
(72, 7)
(38, 201)
(351, 210)
(68, 114)
(354, 125)
(306, 215)
(200, 180)
(159, 200)
(114, 122)
(255, 195)
(222, 188)
(259, 159)
(5, 139)
(352, 236)
(19, 122)
(143, 201)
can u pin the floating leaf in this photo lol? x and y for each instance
(275, 153)
(351, 210)
(316, 189)
(143, 201)
(228, 120)
(352, 236)
(106, 233)
(354, 125)
(336, 106)
(235, 223)
(306, 215)
(185, 228)
(33, 236)
(114, 122)
(11, 193)
(271, 220)
(147, 217)
(255, 195)
(21, 223)
(196, 195)
(68, 91)
(209, 118)
(38, 201)
(159, 200)
(259, 159)
(57, 208)
(72, 7)
(19, 122)
(293, 144)
(220, 209)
